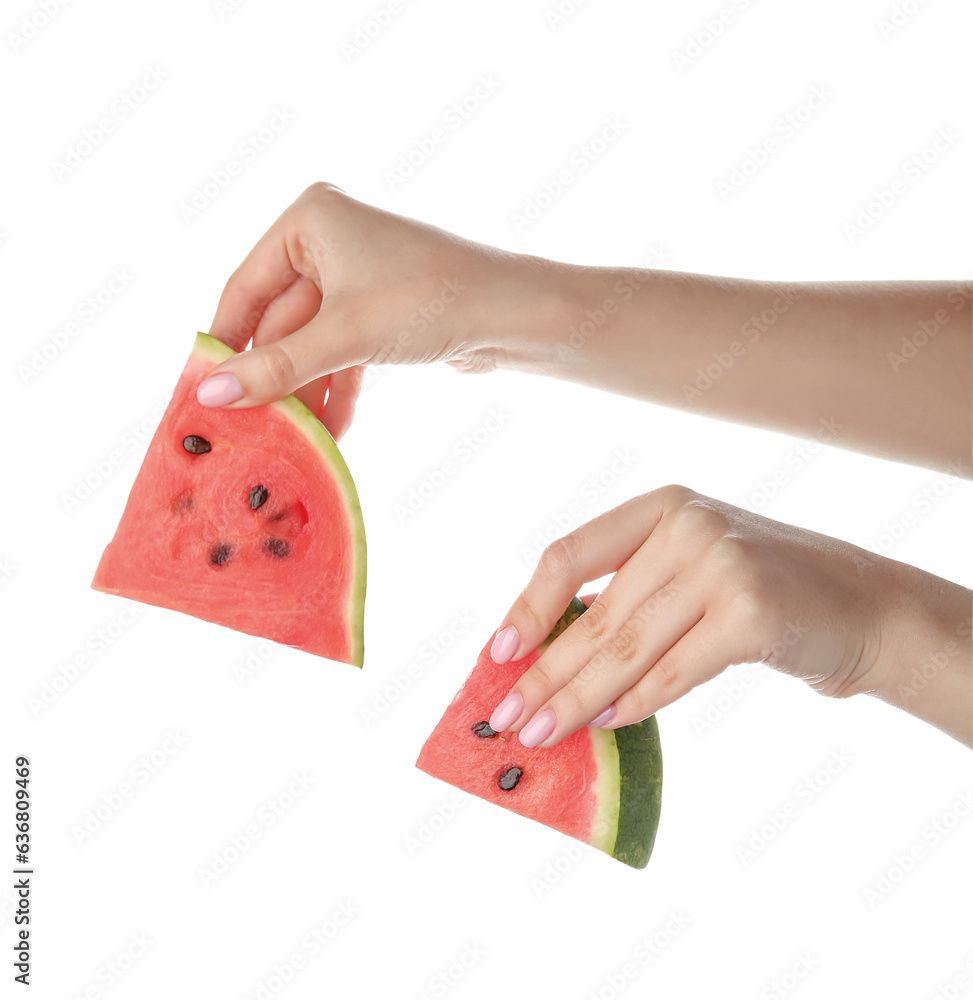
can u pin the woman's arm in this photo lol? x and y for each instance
(336, 284)
(880, 367)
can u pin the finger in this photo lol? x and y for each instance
(291, 310)
(588, 552)
(699, 656)
(265, 273)
(649, 570)
(342, 398)
(271, 371)
(655, 626)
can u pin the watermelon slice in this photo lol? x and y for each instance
(601, 786)
(247, 518)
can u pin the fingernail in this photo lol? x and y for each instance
(504, 646)
(539, 728)
(600, 720)
(218, 390)
(507, 712)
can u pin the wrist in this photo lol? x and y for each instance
(561, 318)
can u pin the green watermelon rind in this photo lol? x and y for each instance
(629, 777)
(317, 434)
(640, 790)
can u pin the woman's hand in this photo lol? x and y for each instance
(336, 284)
(701, 585)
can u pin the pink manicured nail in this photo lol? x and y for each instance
(507, 712)
(218, 390)
(539, 728)
(504, 646)
(600, 720)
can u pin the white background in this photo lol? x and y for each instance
(478, 886)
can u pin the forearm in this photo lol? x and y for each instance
(928, 668)
(881, 367)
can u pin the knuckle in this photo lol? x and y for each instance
(593, 624)
(540, 677)
(632, 706)
(666, 673)
(571, 702)
(751, 613)
(675, 495)
(696, 518)
(624, 644)
(732, 555)
(278, 370)
(524, 611)
(560, 557)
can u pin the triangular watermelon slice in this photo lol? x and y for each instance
(247, 518)
(601, 786)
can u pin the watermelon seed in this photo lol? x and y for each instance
(258, 497)
(280, 515)
(196, 445)
(277, 547)
(509, 778)
(220, 554)
(483, 729)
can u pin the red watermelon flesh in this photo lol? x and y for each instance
(602, 787)
(247, 518)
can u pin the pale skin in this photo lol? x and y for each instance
(878, 367)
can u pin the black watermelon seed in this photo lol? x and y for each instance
(277, 547)
(258, 497)
(220, 554)
(483, 729)
(509, 778)
(196, 445)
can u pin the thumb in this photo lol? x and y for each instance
(272, 371)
